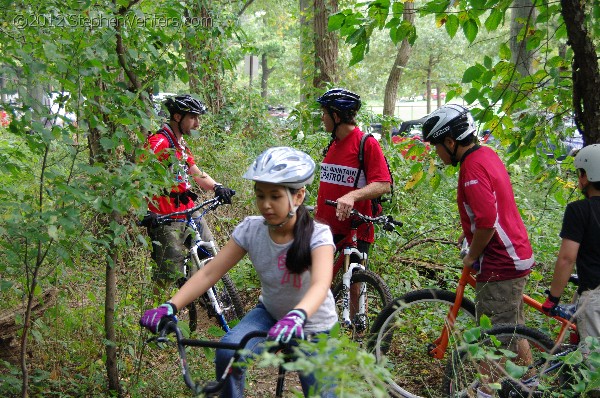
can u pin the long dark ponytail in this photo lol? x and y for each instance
(299, 255)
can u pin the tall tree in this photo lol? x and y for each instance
(402, 57)
(586, 76)
(326, 44)
(523, 15)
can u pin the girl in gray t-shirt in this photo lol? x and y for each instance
(292, 255)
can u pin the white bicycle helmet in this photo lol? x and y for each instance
(282, 166)
(450, 120)
(588, 158)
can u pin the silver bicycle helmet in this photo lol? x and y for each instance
(282, 166)
(588, 158)
(451, 120)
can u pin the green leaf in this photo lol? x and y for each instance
(452, 25)
(505, 52)
(472, 335)
(471, 96)
(470, 29)
(336, 21)
(493, 20)
(515, 370)
(573, 358)
(357, 36)
(472, 73)
(487, 62)
(485, 322)
(358, 53)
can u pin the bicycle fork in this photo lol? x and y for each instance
(210, 248)
(437, 348)
(346, 283)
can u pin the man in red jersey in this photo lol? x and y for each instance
(499, 247)
(341, 178)
(169, 239)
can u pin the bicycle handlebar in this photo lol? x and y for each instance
(181, 342)
(388, 222)
(210, 204)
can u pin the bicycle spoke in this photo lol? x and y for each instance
(493, 362)
(403, 335)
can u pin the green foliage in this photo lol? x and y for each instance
(357, 374)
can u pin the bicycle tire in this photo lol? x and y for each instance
(227, 296)
(402, 335)
(229, 299)
(463, 377)
(378, 297)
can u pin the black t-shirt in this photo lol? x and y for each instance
(581, 224)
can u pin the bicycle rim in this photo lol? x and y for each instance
(402, 335)
(378, 296)
(229, 299)
(542, 377)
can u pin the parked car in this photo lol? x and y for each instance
(278, 111)
(4, 118)
(434, 94)
(409, 134)
(57, 104)
(409, 127)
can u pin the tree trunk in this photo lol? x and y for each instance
(112, 369)
(430, 64)
(203, 60)
(266, 72)
(326, 44)
(402, 57)
(586, 77)
(522, 16)
(306, 50)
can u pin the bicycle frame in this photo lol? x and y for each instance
(346, 248)
(208, 246)
(217, 385)
(467, 277)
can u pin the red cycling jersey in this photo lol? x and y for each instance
(160, 145)
(485, 200)
(338, 174)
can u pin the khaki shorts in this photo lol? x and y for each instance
(170, 246)
(588, 316)
(501, 301)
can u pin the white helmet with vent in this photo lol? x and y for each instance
(282, 166)
(588, 158)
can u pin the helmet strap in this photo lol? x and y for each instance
(335, 124)
(452, 154)
(290, 214)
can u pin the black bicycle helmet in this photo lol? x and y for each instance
(340, 100)
(185, 104)
(454, 121)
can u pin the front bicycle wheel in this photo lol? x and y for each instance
(404, 332)
(226, 295)
(493, 362)
(228, 298)
(367, 284)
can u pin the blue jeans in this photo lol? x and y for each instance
(258, 319)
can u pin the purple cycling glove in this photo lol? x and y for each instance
(291, 325)
(151, 319)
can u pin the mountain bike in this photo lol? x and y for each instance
(212, 388)
(547, 372)
(413, 333)
(361, 294)
(222, 301)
